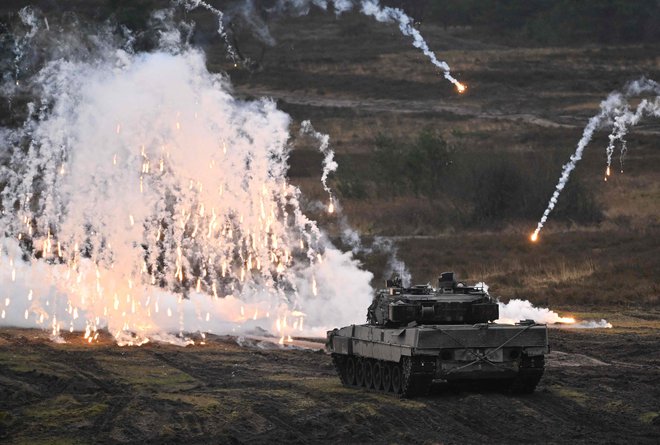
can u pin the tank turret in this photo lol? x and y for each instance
(452, 302)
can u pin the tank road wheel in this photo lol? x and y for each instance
(359, 372)
(350, 371)
(396, 378)
(377, 375)
(387, 377)
(368, 373)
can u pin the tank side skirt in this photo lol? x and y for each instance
(380, 350)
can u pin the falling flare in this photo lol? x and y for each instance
(460, 87)
(407, 28)
(615, 108)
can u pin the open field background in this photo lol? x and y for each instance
(503, 145)
(508, 138)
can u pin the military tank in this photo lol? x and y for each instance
(420, 334)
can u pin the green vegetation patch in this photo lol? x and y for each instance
(64, 410)
(156, 375)
(29, 362)
(296, 401)
(617, 406)
(361, 409)
(648, 417)
(571, 394)
(329, 385)
(198, 401)
(47, 441)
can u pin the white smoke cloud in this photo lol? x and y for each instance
(587, 324)
(517, 310)
(149, 200)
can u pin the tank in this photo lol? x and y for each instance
(417, 335)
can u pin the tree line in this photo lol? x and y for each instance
(470, 188)
(545, 21)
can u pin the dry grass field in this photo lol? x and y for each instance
(527, 106)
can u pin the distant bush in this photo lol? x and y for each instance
(468, 188)
(416, 167)
(131, 13)
(389, 171)
(579, 204)
(510, 187)
(560, 21)
(498, 192)
(350, 182)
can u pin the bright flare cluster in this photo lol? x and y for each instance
(143, 197)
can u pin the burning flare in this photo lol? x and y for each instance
(614, 109)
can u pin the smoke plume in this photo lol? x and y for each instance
(615, 111)
(517, 310)
(627, 118)
(248, 13)
(142, 197)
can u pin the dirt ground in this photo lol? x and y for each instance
(600, 386)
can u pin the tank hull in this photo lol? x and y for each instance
(512, 355)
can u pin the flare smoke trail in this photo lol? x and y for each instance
(387, 14)
(141, 196)
(627, 119)
(329, 163)
(614, 110)
(372, 8)
(190, 5)
(349, 236)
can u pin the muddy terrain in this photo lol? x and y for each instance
(600, 386)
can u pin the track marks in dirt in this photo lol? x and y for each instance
(223, 393)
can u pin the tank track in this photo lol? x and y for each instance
(411, 377)
(529, 373)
